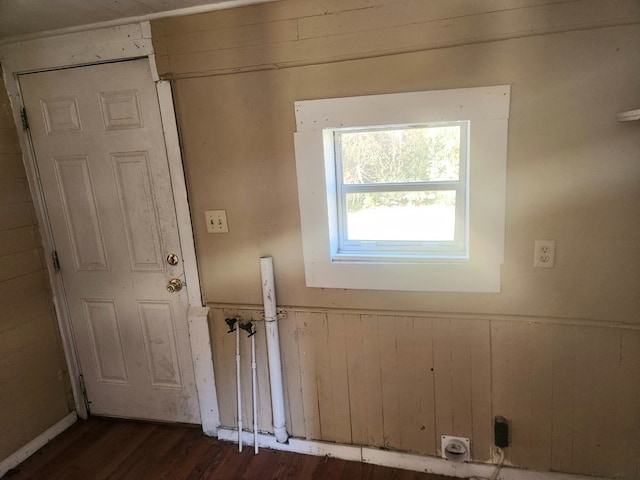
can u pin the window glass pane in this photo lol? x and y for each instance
(408, 216)
(416, 154)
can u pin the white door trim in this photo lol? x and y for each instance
(101, 46)
(198, 315)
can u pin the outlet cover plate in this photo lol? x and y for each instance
(544, 254)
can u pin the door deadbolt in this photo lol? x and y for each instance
(174, 285)
(172, 259)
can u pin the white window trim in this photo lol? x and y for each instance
(487, 108)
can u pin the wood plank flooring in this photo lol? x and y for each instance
(109, 449)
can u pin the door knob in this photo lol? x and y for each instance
(174, 285)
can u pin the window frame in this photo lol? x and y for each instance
(487, 110)
(398, 250)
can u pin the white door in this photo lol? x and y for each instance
(100, 153)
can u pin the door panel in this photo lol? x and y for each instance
(99, 147)
(159, 343)
(80, 212)
(138, 209)
(106, 341)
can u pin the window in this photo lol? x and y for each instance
(401, 192)
(404, 191)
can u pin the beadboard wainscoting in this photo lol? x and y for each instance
(400, 381)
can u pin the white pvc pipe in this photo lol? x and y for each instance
(239, 388)
(255, 394)
(273, 348)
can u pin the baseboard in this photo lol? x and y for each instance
(34, 445)
(295, 445)
(416, 463)
(441, 466)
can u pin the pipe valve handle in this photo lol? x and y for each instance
(231, 322)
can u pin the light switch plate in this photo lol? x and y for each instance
(217, 221)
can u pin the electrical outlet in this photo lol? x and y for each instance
(500, 432)
(217, 221)
(544, 254)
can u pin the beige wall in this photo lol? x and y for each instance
(545, 345)
(35, 391)
(572, 168)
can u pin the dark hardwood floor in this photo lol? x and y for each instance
(101, 448)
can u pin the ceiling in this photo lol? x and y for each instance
(21, 19)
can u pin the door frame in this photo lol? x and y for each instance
(105, 45)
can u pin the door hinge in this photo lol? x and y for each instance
(25, 121)
(55, 261)
(83, 389)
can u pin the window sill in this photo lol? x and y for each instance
(377, 259)
(423, 277)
